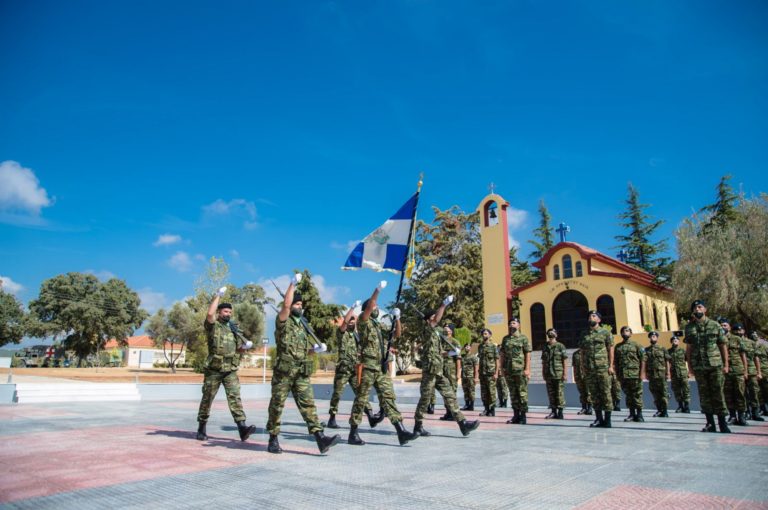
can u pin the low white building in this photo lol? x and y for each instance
(141, 352)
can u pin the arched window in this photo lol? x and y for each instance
(655, 318)
(491, 214)
(538, 326)
(567, 267)
(666, 314)
(557, 272)
(607, 311)
(578, 270)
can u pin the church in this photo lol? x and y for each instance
(574, 279)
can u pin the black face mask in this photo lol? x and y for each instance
(513, 329)
(552, 336)
(626, 336)
(224, 318)
(698, 315)
(592, 324)
(375, 314)
(653, 342)
(297, 312)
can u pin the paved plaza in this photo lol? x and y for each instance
(144, 455)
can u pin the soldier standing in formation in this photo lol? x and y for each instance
(554, 359)
(488, 357)
(581, 384)
(657, 370)
(706, 351)
(432, 376)
(597, 362)
(630, 370)
(679, 376)
(469, 377)
(734, 384)
(753, 369)
(373, 358)
(225, 343)
(451, 365)
(515, 361)
(761, 350)
(293, 367)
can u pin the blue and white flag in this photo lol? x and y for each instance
(386, 248)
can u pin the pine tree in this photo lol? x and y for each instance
(724, 210)
(543, 234)
(642, 252)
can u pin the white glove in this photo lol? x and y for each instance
(382, 285)
(396, 314)
(319, 348)
(447, 301)
(296, 278)
(221, 291)
(455, 353)
(248, 345)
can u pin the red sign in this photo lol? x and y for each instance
(49, 353)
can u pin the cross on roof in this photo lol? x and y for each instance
(492, 188)
(622, 255)
(562, 229)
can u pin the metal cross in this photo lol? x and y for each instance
(562, 229)
(492, 188)
(622, 255)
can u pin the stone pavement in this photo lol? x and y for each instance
(144, 455)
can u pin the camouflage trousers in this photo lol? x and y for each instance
(735, 392)
(292, 381)
(517, 383)
(340, 379)
(430, 382)
(599, 382)
(764, 390)
(753, 391)
(658, 387)
(710, 383)
(468, 385)
(502, 389)
(681, 389)
(375, 378)
(213, 379)
(449, 371)
(487, 389)
(555, 391)
(584, 396)
(615, 388)
(633, 391)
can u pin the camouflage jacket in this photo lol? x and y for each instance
(431, 351)
(704, 339)
(468, 363)
(751, 347)
(594, 347)
(736, 345)
(346, 347)
(761, 351)
(488, 356)
(293, 344)
(515, 348)
(223, 345)
(373, 347)
(656, 358)
(628, 358)
(678, 366)
(552, 357)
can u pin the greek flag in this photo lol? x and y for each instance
(386, 248)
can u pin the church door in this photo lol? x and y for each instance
(569, 313)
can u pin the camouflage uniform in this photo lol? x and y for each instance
(594, 347)
(515, 348)
(656, 358)
(433, 374)
(581, 382)
(615, 392)
(468, 364)
(221, 368)
(346, 347)
(628, 359)
(291, 372)
(552, 357)
(502, 390)
(753, 387)
(734, 387)
(761, 350)
(679, 373)
(707, 364)
(487, 356)
(449, 372)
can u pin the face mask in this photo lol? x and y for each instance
(551, 336)
(513, 329)
(224, 318)
(375, 314)
(297, 312)
(698, 315)
(653, 341)
(592, 324)
(625, 336)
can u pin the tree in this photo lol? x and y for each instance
(87, 311)
(521, 274)
(12, 319)
(726, 264)
(177, 327)
(641, 251)
(724, 210)
(543, 233)
(320, 316)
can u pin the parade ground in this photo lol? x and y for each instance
(143, 454)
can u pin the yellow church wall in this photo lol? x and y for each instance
(496, 276)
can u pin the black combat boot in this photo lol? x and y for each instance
(245, 430)
(588, 411)
(523, 421)
(274, 444)
(748, 414)
(722, 424)
(492, 411)
(324, 442)
(686, 408)
(606, 424)
(631, 416)
(431, 409)
(468, 426)
(617, 406)
(559, 414)
(503, 403)
(486, 411)
(741, 420)
(515, 417)
(639, 416)
(679, 408)
(756, 414)
(373, 419)
(764, 409)
(551, 415)
(448, 416)
(664, 413)
(420, 430)
(201, 434)
(332, 422)
(732, 416)
(471, 405)
(354, 437)
(710, 426)
(403, 435)
(466, 406)
(598, 418)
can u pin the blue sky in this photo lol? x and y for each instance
(138, 139)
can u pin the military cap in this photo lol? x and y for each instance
(428, 314)
(296, 298)
(738, 325)
(697, 303)
(723, 320)
(652, 333)
(451, 327)
(551, 329)
(486, 329)
(514, 319)
(595, 312)
(224, 305)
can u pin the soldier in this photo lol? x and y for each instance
(597, 362)
(657, 370)
(761, 350)
(347, 341)
(488, 357)
(734, 385)
(451, 365)
(616, 393)
(373, 357)
(679, 373)
(630, 370)
(581, 384)
(433, 346)
(292, 370)
(502, 388)
(469, 377)
(753, 369)
(554, 359)
(515, 362)
(225, 344)
(706, 351)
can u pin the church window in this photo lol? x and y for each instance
(557, 272)
(567, 267)
(578, 270)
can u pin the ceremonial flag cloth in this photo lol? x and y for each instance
(386, 248)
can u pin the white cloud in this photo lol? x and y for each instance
(516, 219)
(152, 301)
(200, 257)
(180, 261)
(237, 207)
(10, 286)
(235, 254)
(102, 275)
(20, 190)
(344, 247)
(167, 240)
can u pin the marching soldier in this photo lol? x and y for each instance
(679, 373)
(597, 361)
(630, 370)
(452, 356)
(515, 361)
(488, 357)
(734, 385)
(554, 359)
(581, 384)
(753, 369)
(225, 344)
(469, 377)
(292, 370)
(657, 370)
(706, 351)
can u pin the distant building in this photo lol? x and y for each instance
(141, 351)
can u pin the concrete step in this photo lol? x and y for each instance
(76, 392)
